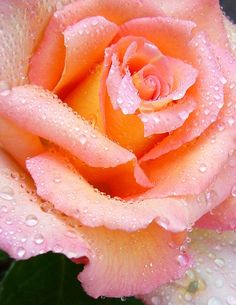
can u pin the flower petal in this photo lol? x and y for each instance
(48, 60)
(12, 137)
(208, 91)
(222, 218)
(191, 168)
(85, 39)
(25, 229)
(202, 12)
(168, 119)
(146, 252)
(41, 113)
(23, 23)
(64, 187)
(157, 29)
(212, 279)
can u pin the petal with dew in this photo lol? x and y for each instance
(47, 62)
(184, 76)
(191, 168)
(23, 23)
(202, 12)
(28, 145)
(26, 230)
(63, 184)
(41, 113)
(85, 39)
(211, 280)
(145, 253)
(168, 119)
(208, 91)
(157, 29)
(223, 217)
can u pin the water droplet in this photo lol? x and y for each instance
(183, 115)
(219, 262)
(202, 168)
(38, 239)
(219, 283)
(57, 178)
(82, 139)
(231, 121)
(223, 80)
(233, 191)
(155, 301)
(214, 301)
(31, 220)
(21, 252)
(231, 300)
(6, 193)
(182, 260)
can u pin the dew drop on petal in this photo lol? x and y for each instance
(21, 252)
(155, 301)
(219, 262)
(214, 301)
(6, 193)
(231, 300)
(31, 220)
(38, 239)
(202, 168)
(82, 139)
(233, 191)
(182, 260)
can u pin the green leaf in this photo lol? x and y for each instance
(48, 279)
(5, 262)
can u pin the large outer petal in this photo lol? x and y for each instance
(26, 230)
(191, 168)
(22, 23)
(50, 54)
(212, 279)
(129, 263)
(41, 113)
(63, 184)
(203, 12)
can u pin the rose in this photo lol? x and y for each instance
(164, 96)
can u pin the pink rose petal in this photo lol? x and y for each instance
(202, 12)
(85, 42)
(208, 91)
(211, 280)
(23, 23)
(128, 98)
(191, 168)
(47, 62)
(64, 187)
(122, 267)
(113, 81)
(18, 142)
(157, 29)
(25, 229)
(223, 217)
(168, 119)
(41, 113)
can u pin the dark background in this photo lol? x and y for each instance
(229, 7)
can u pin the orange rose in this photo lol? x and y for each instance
(122, 112)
